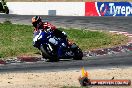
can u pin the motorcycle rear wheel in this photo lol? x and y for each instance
(78, 54)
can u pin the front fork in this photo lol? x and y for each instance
(51, 49)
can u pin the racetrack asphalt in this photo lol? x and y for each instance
(103, 23)
(98, 23)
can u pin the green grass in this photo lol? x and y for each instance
(89, 40)
(17, 39)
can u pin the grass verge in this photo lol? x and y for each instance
(17, 39)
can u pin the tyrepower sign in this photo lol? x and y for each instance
(108, 9)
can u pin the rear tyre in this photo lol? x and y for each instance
(78, 54)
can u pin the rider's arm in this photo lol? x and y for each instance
(59, 33)
(47, 25)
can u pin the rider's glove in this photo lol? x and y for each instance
(64, 33)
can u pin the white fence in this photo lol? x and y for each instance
(47, 8)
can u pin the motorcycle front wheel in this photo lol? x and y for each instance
(45, 54)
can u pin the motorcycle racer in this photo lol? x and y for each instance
(57, 37)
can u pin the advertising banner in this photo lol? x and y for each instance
(108, 9)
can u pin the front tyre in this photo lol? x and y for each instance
(46, 54)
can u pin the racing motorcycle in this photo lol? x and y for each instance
(49, 50)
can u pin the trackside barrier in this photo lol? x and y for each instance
(71, 8)
(47, 8)
(108, 9)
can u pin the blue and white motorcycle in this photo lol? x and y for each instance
(47, 44)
